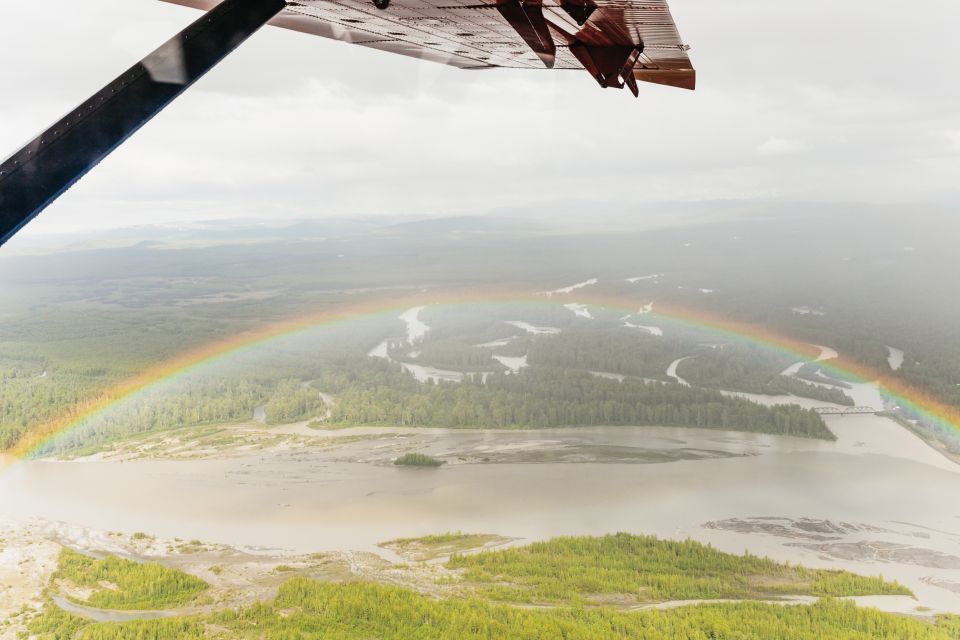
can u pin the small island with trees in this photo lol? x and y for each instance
(418, 460)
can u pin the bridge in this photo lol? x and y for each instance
(843, 411)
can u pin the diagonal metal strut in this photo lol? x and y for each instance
(51, 163)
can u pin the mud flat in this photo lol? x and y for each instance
(672, 371)
(654, 331)
(533, 329)
(425, 373)
(572, 288)
(26, 562)
(220, 441)
(882, 551)
(894, 358)
(513, 364)
(579, 310)
(826, 353)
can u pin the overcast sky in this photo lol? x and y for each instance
(824, 101)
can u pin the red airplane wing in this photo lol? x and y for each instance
(617, 41)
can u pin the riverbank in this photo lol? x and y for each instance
(627, 573)
(339, 491)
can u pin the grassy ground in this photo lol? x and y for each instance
(645, 569)
(570, 580)
(115, 583)
(359, 611)
(441, 545)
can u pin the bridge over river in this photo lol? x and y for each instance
(843, 411)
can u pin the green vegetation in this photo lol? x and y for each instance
(567, 573)
(418, 460)
(440, 538)
(55, 624)
(951, 624)
(811, 371)
(129, 584)
(792, 386)
(753, 370)
(292, 401)
(548, 397)
(76, 322)
(440, 545)
(646, 569)
(611, 348)
(193, 401)
(219, 393)
(361, 611)
(26, 402)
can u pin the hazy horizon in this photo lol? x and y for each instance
(822, 103)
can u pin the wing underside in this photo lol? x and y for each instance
(619, 42)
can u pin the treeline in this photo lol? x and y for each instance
(291, 401)
(928, 336)
(811, 372)
(630, 352)
(85, 353)
(26, 401)
(728, 367)
(194, 401)
(734, 367)
(133, 585)
(551, 398)
(785, 385)
(855, 338)
(364, 373)
(450, 353)
(753, 370)
(646, 569)
(935, 368)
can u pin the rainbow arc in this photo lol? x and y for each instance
(895, 391)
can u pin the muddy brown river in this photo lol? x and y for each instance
(878, 500)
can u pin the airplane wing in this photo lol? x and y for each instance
(619, 42)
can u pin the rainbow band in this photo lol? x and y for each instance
(916, 402)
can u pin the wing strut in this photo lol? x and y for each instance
(50, 164)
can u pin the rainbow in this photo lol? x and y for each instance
(915, 402)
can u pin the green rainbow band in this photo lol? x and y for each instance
(918, 403)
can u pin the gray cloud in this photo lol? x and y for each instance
(814, 101)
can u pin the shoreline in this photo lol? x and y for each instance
(345, 497)
(238, 579)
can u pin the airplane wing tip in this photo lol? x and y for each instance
(679, 78)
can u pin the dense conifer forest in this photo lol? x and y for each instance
(549, 398)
